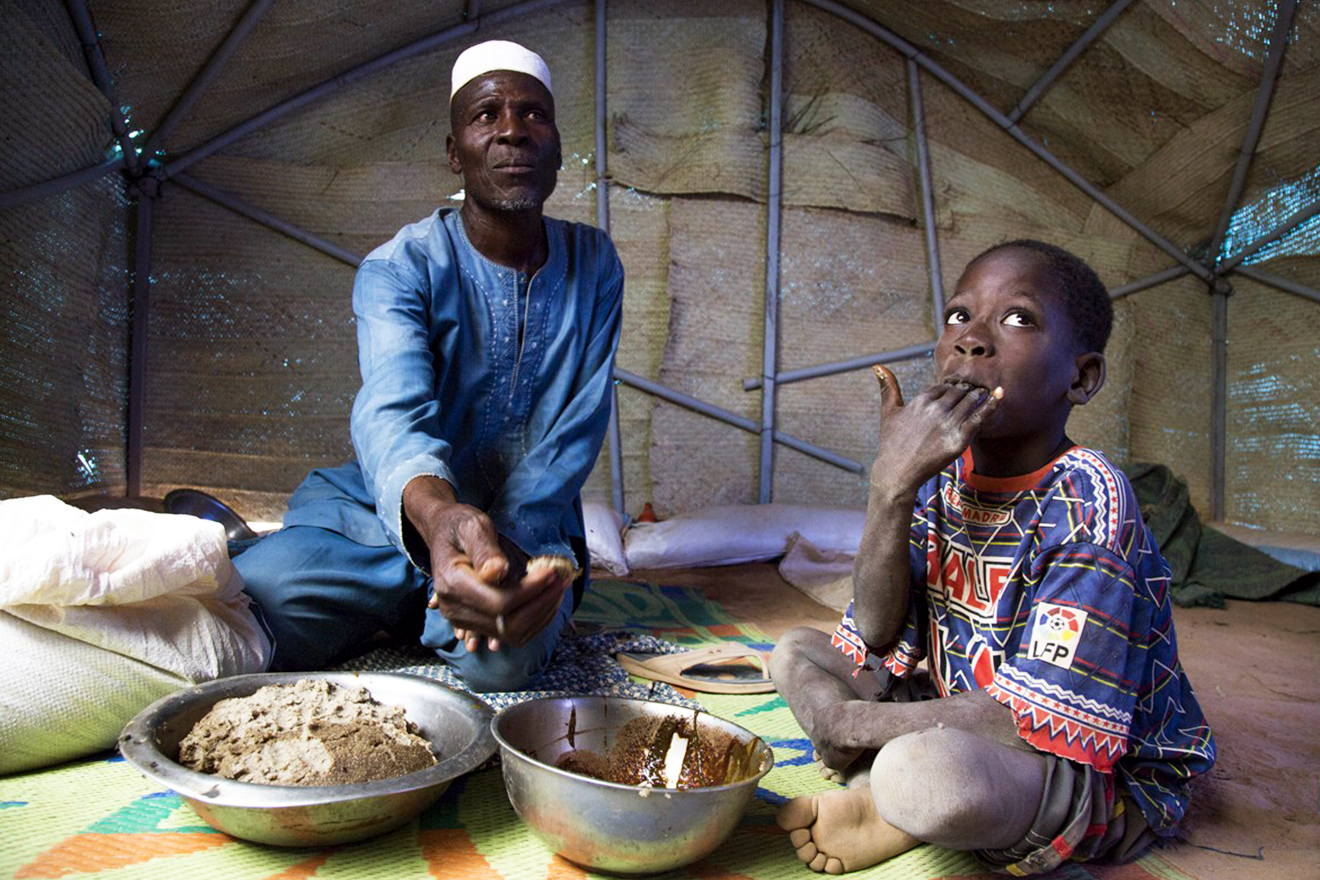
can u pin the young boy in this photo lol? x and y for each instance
(1025, 578)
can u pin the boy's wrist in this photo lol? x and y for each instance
(884, 492)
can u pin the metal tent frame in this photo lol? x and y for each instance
(145, 177)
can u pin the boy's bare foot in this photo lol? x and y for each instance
(839, 831)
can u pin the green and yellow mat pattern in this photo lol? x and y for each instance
(100, 819)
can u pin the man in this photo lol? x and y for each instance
(486, 340)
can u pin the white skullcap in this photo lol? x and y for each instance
(497, 55)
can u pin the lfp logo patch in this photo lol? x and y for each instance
(1056, 633)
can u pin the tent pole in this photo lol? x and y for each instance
(909, 51)
(1288, 225)
(770, 346)
(144, 192)
(1268, 77)
(839, 461)
(1067, 58)
(1281, 283)
(363, 70)
(861, 362)
(211, 71)
(252, 212)
(15, 197)
(655, 389)
(1149, 281)
(927, 193)
(91, 43)
(1220, 290)
(603, 221)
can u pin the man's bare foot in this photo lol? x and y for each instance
(829, 774)
(838, 831)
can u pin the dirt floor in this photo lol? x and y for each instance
(1256, 670)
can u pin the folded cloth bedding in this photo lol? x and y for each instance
(101, 613)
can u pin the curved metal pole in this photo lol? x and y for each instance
(909, 51)
(53, 187)
(265, 218)
(363, 70)
(208, 74)
(137, 365)
(1067, 58)
(1297, 218)
(615, 430)
(1283, 284)
(1220, 290)
(678, 398)
(1149, 281)
(861, 362)
(927, 193)
(770, 345)
(1269, 76)
(91, 44)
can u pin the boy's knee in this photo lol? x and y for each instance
(918, 784)
(793, 648)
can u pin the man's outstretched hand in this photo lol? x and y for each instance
(481, 582)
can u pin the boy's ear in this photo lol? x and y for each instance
(1088, 377)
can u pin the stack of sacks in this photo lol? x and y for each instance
(103, 613)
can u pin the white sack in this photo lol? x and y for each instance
(605, 537)
(740, 533)
(125, 604)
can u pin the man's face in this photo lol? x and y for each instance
(1005, 326)
(504, 141)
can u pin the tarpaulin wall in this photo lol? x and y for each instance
(251, 361)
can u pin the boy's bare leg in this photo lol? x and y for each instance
(929, 782)
(833, 831)
(814, 678)
(941, 786)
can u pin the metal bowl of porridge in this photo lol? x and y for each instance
(456, 724)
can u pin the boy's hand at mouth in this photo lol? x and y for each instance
(917, 439)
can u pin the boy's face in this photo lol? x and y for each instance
(1005, 326)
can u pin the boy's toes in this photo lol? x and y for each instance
(798, 814)
(829, 774)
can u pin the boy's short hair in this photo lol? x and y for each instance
(1084, 297)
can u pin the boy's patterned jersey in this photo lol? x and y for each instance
(1048, 591)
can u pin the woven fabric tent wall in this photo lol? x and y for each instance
(250, 363)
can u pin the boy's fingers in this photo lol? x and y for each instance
(987, 406)
(890, 392)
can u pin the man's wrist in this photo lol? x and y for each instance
(424, 499)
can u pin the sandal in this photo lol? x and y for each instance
(705, 670)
